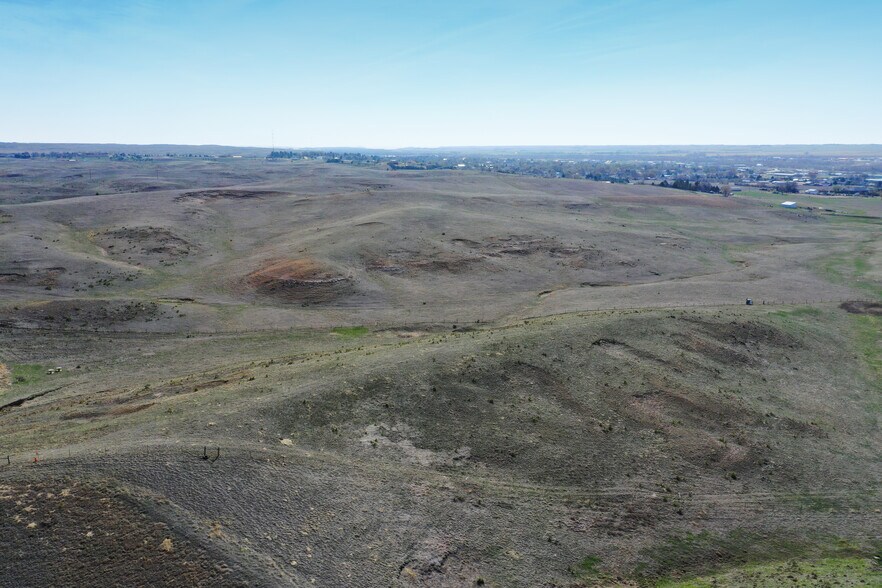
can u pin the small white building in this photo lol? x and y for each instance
(789, 204)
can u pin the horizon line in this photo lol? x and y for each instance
(439, 147)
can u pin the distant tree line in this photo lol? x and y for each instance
(53, 154)
(328, 156)
(130, 157)
(75, 155)
(282, 154)
(696, 186)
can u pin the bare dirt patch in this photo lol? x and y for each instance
(575, 255)
(20, 274)
(68, 533)
(745, 333)
(300, 280)
(862, 307)
(146, 244)
(138, 184)
(203, 196)
(404, 262)
(713, 350)
(80, 314)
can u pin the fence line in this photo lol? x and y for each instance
(196, 453)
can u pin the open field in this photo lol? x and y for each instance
(277, 373)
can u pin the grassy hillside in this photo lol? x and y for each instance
(344, 377)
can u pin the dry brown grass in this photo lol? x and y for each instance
(5, 377)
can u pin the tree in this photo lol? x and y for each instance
(726, 190)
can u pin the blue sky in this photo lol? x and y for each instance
(395, 74)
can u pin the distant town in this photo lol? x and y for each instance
(814, 170)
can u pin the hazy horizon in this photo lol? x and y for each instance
(443, 147)
(386, 76)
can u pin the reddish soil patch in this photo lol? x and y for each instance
(294, 270)
(301, 280)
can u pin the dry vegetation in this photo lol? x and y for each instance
(305, 374)
(5, 378)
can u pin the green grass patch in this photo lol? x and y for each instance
(705, 260)
(804, 320)
(861, 265)
(24, 374)
(733, 253)
(697, 555)
(851, 269)
(825, 572)
(868, 340)
(851, 205)
(802, 311)
(812, 502)
(350, 331)
(587, 568)
(854, 220)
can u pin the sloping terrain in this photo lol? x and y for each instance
(415, 247)
(652, 443)
(351, 377)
